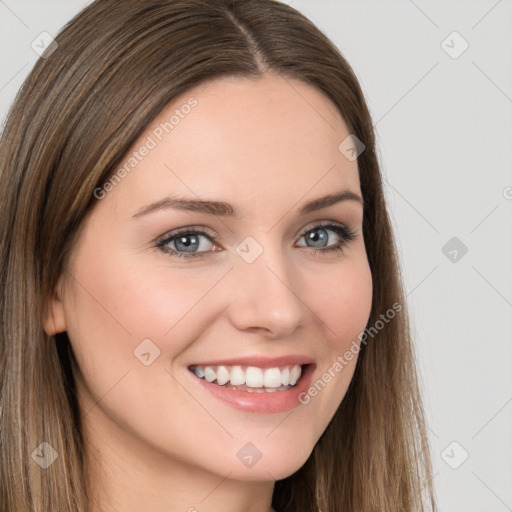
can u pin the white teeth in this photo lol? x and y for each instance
(253, 378)
(222, 375)
(294, 375)
(272, 378)
(209, 374)
(237, 376)
(256, 390)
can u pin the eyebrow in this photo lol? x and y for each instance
(224, 209)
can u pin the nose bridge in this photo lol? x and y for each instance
(266, 296)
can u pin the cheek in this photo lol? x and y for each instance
(117, 306)
(342, 306)
(343, 300)
(127, 304)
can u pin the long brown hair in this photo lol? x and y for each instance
(116, 66)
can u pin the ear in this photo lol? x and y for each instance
(54, 320)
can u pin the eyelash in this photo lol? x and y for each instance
(344, 232)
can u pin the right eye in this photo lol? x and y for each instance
(186, 243)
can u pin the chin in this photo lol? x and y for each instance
(268, 462)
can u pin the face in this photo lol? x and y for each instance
(165, 301)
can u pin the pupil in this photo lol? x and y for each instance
(315, 236)
(186, 241)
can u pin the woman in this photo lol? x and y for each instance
(202, 307)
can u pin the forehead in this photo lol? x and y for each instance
(269, 139)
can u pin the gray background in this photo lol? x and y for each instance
(444, 131)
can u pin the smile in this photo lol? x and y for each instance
(252, 379)
(255, 383)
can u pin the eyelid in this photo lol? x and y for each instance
(186, 229)
(322, 224)
(207, 231)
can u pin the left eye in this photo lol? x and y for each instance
(188, 243)
(318, 235)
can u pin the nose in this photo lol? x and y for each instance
(266, 296)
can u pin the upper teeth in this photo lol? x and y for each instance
(251, 376)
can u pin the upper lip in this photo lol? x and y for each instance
(259, 361)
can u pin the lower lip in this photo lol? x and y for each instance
(266, 403)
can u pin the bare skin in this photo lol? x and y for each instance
(156, 440)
